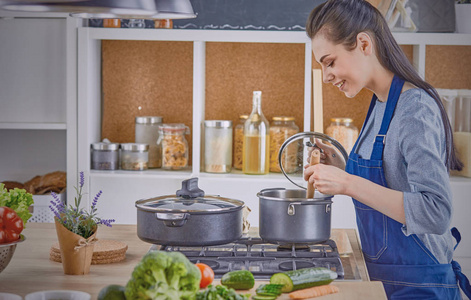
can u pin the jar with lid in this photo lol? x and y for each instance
(147, 132)
(256, 149)
(217, 146)
(174, 145)
(343, 130)
(239, 142)
(104, 156)
(134, 156)
(281, 128)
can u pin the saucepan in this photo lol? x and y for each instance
(288, 216)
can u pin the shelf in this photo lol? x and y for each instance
(33, 126)
(444, 39)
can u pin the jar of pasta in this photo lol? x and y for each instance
(134, 156)
(217, 146)
(343, 130)
(239, 142)
(281, 128)
(174, 146)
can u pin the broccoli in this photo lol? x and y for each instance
(164, 276)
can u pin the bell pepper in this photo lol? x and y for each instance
(10, 225)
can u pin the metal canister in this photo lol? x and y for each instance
(134, 156)
(104, 156)
(217, 146)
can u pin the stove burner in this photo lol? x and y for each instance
(293, 247)
(295, 265)
(211, 263)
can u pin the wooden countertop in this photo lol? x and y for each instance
(30, 269)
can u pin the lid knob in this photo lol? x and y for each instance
(190, 189)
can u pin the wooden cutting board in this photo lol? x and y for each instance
(104, 252)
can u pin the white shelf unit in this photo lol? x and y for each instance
(122, 188)
(38, 95)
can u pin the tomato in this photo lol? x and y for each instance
(10, 225)
(207, 275)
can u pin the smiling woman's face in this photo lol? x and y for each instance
(346, 69)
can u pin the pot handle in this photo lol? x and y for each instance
(173, 220)
(292, 211)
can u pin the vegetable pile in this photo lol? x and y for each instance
(164, 275)
(14, 213)
(220, 292)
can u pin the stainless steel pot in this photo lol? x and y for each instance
(288, 217)
(189, 218)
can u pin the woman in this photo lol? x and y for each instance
(398, 170)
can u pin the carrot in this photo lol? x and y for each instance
(316, 291)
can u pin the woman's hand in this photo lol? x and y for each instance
(327, 179)
(330, 155)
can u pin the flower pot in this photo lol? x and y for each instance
(76, 251)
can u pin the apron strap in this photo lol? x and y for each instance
(393, 96)
(462, 279)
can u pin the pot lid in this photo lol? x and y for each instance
(297, 148)
(190, 199)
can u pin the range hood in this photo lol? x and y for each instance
(133, 9)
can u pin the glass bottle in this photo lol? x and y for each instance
(281, 128)
(256, 146)
(343, 131)
(239, 142)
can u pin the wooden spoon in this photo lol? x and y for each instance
(315, 159)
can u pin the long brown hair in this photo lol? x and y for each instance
(341, 20)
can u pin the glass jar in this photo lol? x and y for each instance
(256, 148)
(104, 156)
(239, 142)
(112, 23)
(281, 128)
(343, 130)
(147, 132)
(174, 146)
(134, 156)
(217, 146)
(163, 23)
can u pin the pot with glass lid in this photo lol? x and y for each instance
(289, 216)
(189, 218)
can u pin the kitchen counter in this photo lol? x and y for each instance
(31, 270)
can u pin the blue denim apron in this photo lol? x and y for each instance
(406, 267)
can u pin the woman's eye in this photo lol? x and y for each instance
(330, 64)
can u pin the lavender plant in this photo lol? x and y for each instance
(76, 219)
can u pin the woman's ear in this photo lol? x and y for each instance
(365, 43)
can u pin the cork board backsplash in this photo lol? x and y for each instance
(235, 70)
(145, 78)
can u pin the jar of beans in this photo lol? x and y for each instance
(174, 145)
(343, 131)
(281, 128)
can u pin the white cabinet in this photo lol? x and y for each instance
(37, 95)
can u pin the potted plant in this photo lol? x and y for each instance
(76, 230)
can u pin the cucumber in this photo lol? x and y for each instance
(303, 278)
(238, 280)
(269, 289)
(260, 297)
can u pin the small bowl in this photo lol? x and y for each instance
(60, 294)
(6, 252)
(8, 296)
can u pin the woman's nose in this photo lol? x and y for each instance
(327, 77)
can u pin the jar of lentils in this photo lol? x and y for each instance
(343, 131)
(281, 128)
(134, 156)
(174, 145)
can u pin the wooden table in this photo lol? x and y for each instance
(30, 269)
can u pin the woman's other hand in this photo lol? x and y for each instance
(330, 155)
(327, 179)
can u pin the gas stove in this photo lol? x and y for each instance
(264, 259)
